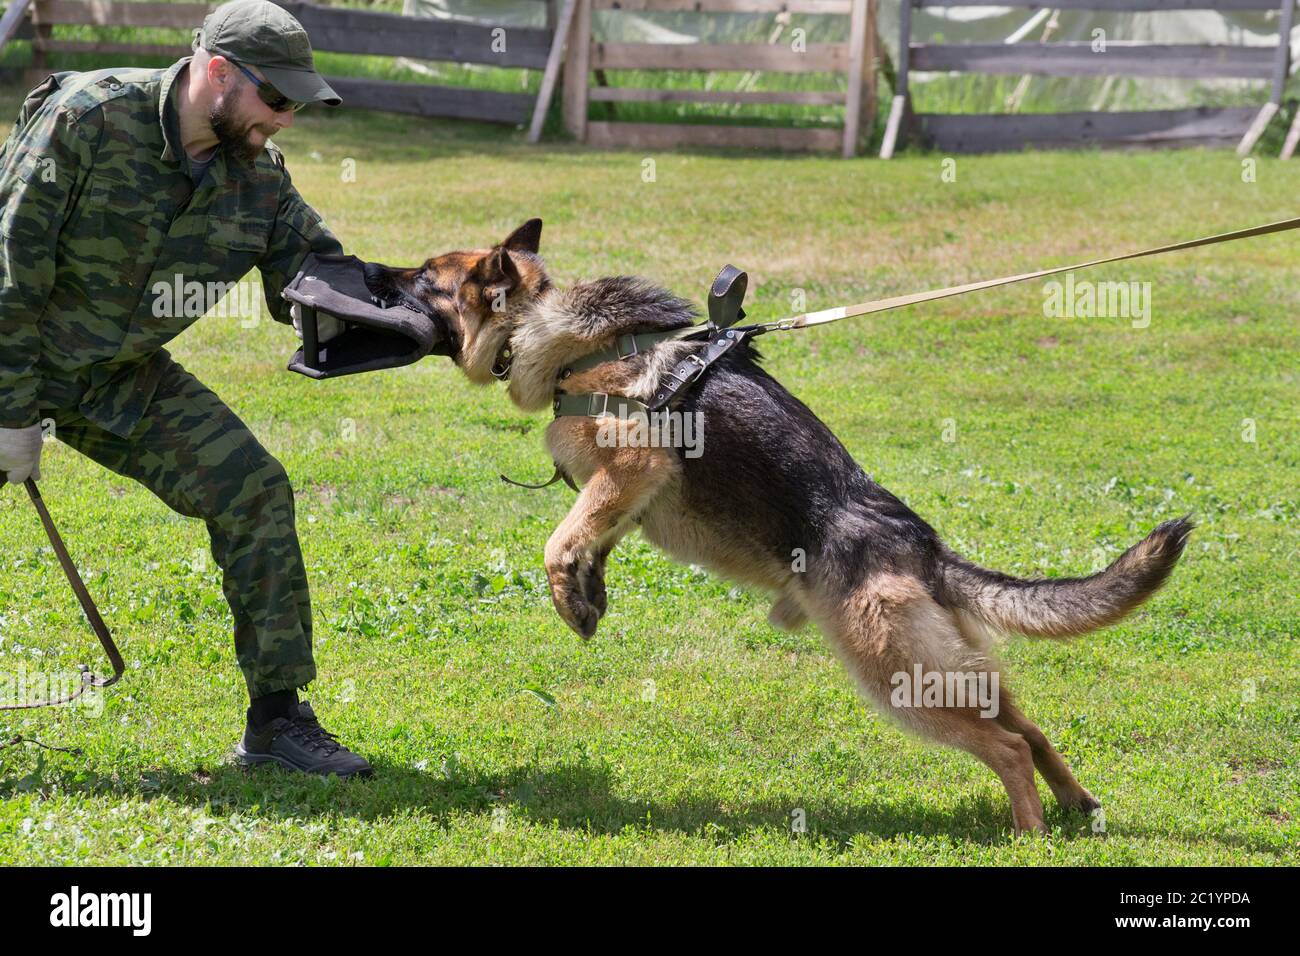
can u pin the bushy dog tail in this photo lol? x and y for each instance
(1065, 607)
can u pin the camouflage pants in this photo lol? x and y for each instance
(198, 457)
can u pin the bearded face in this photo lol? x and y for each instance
(242, 138)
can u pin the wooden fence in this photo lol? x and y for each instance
(332, 29)
(854, 59)
(1201, 125)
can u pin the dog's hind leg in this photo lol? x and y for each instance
(893, 636)
(1069, 794)
(1068, 791)
(787, 614)
(1008, 754)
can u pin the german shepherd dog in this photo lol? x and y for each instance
(773, 483)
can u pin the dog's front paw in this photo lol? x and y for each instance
(1083, 801)
(572, 603)
(591, 578)
(576, 612)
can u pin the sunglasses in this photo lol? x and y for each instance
(268, 94)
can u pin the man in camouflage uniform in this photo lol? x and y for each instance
(115, 180)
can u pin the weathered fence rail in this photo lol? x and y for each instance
(854, 59)
(332, 29)
(991, 132)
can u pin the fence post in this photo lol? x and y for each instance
(44, 33)
(1281, 69)
(551, 74)
(12, 20)
(899, 107)
(576, 69)
(858, 33)
(871, 89)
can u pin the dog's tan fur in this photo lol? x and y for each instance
(880, 625)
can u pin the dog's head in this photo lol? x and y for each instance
(477, 293)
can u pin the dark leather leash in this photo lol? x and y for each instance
(88, 679)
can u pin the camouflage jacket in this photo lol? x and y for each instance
(97, 208)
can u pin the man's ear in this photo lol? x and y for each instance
(219, 69)
(527, 238)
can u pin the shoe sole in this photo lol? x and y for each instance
(254, 760)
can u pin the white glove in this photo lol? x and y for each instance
(327, 326)
(20, 453)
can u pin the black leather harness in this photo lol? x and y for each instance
(726, 296)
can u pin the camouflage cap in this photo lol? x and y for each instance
(259, 33)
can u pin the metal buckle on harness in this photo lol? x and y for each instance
(592, 411)
(701, 366)
(618, 349)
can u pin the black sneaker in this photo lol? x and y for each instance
(300, 743)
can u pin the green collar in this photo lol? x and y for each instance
(626, 346)
(595, 404)
(169, 112)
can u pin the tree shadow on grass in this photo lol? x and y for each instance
(578, 797)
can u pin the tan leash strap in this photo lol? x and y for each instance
(899, 301)
(88, 679)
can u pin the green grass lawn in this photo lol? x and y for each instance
(688, 730)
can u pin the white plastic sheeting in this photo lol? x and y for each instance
(989, 24)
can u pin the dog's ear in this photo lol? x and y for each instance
(527, 238)
(497, 277)
(497, 268)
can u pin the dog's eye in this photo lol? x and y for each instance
(427, 288)
(428, 285)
